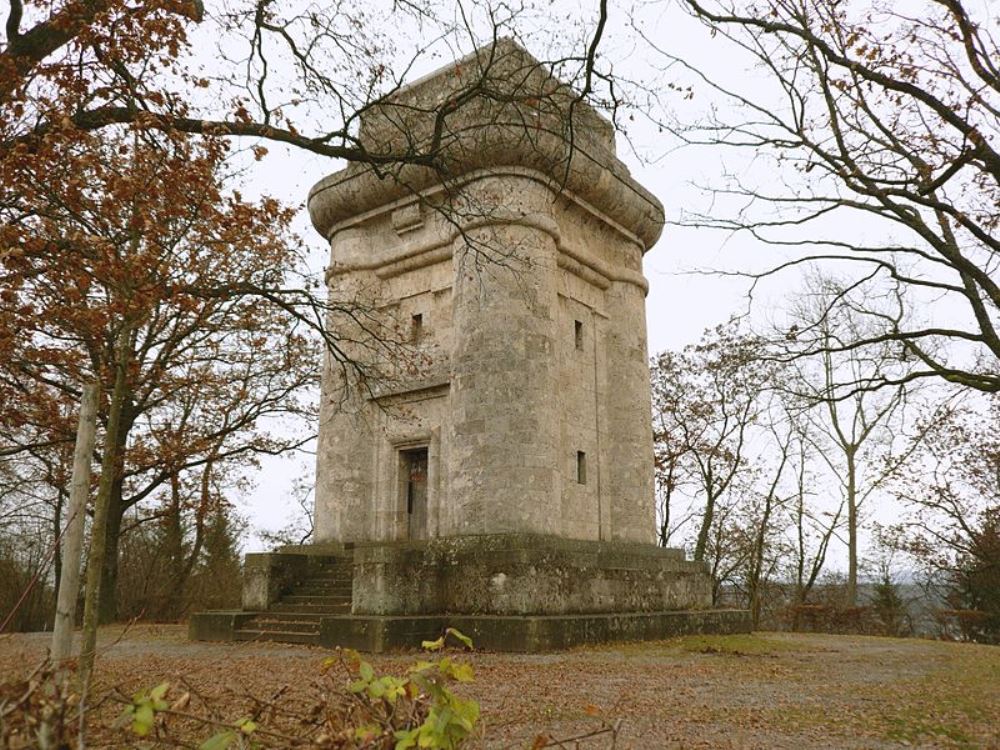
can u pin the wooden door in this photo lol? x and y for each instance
(415, 476)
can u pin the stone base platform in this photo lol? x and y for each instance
(518, 634)
(508, 592)
(524, 574)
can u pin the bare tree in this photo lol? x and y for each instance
(762, 561)
(852, 434)
(813, 528)
(881, 117)
(705, 401)
(669, 455)
(951, 524)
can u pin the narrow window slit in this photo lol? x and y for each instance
(578, 334)
(581, 467)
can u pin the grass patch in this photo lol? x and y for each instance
(950, 703)
(913, 728)
(741, 644)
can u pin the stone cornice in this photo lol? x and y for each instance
(594, 175)
(420, 254)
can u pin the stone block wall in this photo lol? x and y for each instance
(524, 574)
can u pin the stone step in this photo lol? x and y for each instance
(297, 598)
(328, 579)
(279, 636)
(296, 615)
(312, 590)
(287, 624)
(338, 581)
(321, 609)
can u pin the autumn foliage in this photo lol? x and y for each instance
(127, 230)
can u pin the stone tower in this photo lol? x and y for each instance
(485, 454)
(519, 284)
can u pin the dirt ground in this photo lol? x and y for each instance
(767, 690)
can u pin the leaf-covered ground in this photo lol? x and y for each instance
(767, 690)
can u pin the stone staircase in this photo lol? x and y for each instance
(295, 618)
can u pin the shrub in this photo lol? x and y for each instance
(977, 583)
(27, 599)
(39, 711)
(354, 708)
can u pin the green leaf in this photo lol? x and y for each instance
(219, 741)
(395, 688)
(443, 720)
(159, 691)
(366, 671)
(142, 719)
(406, 739)
(366, 733)
(468, 713)
(462, 672)
(460, 636)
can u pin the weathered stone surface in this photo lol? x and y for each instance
(267, 575)
(507, 574)
(512, 633)
(528, 384)
(527, 634)
(216, 626)
(527, 127)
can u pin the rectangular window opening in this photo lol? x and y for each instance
(416, 328)
(578, 334)
(581, 467)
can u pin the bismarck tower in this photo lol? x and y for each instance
(485, 455)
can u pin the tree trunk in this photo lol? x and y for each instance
(664, 530)
(72, 540)
(851, 595)
(174, 548)
(800, 564)
(110, 468)
(57, 536)
(706, 527)
(757, 564)
(108, 607)
(107, 611)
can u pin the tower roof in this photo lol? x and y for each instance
(496, 108)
